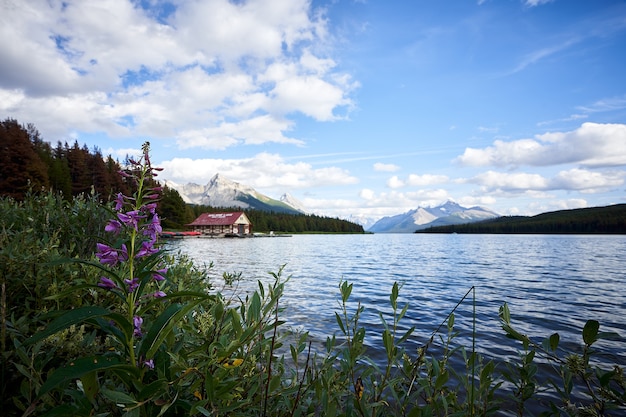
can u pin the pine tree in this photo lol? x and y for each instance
(21, 168)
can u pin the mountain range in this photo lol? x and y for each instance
(425, 217)
(222, 192)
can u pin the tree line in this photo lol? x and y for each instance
(266, 221)
(29, 164)
(594, 220)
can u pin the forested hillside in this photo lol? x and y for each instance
(595, 220)
(28, 164)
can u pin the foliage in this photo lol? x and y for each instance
(599, 220)
(582, 389)
(136, 331)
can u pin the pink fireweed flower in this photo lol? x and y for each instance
(159, 275)
(132, 284)
(147, 248)
(137, 322)
(113, 226)
(119, 201)
(110, 256)
(149, 208)
(153, 228)
(158, 294)
(107, 283)
(131, 218)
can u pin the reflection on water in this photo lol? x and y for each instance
(552, 283)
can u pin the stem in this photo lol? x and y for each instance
(269, 364)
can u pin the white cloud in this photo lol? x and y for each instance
(379, 166)
(426, 179)
(208, 75)
(571, 180)
(533, 3)
(395, 182)
(367, 194)
(592, 145)
(263, 171)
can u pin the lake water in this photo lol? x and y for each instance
(552, 283)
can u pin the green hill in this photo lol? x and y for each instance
(595, 220)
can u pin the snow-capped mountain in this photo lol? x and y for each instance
(424, 217)
(293, 202)
(222, 192)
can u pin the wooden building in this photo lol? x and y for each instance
(222, 224)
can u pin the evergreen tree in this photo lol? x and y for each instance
(21, 168)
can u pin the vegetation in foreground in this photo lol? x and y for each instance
(594, 220)
(133, 331)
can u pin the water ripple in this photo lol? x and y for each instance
(552, 283)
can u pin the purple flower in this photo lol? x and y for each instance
(132, 284)
(159, 275)
(110, 256)
(147, 248)
(158, 294)
(150, 208)
(149, 363)
(107, 283)
(113, 226)
(137, 322)
(153, 228)
(119, 201)
(131, 218)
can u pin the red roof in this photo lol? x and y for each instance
(216, 219)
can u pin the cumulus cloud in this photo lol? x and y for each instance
(208, 74)
(571, 180)
(395, 182)
(426, 179)
(263, 171)
(379, 166)
(591, 145)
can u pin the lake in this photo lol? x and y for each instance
(552, 283)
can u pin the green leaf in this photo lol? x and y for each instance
(162, 326)
(118, 397)
(90, 385)
(394, 296)
(68, 319)
(346, 290)
(552, 342)
(388, 343)
(505, 314)
(153, 389)
(340, 323)
(81, 367)
(590, 331)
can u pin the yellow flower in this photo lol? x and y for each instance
(197, 395)
(232, 363)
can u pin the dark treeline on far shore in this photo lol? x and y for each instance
(595, 220)
(29, 164)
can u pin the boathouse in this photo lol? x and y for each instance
(222, 224)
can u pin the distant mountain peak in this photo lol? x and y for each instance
(293, 202)
(449, 212)
(221, 191)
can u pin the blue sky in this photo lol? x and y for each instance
(356, 108)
